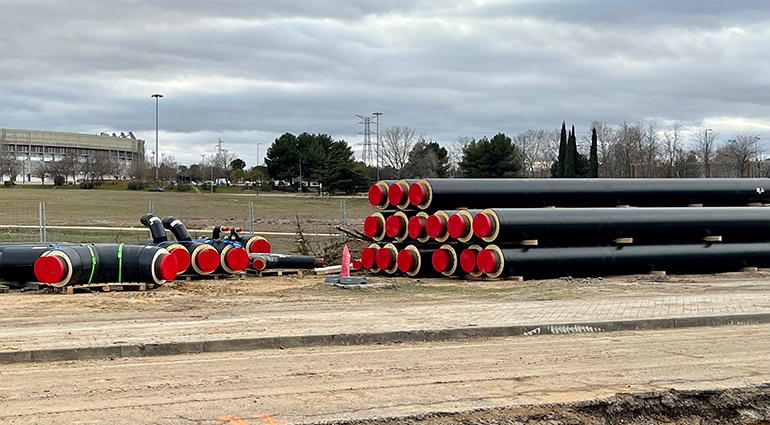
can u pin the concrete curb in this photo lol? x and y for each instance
(261, 343)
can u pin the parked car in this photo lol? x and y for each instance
(155, 189)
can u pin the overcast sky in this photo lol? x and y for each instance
(248, 71)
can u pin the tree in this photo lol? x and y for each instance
(570, 156)
(672, 151)
(41, 170)
(455, 151)
(560, 170)
(737, 153)
(427, 159)
(704, 145)
(496, 157)
(237, 164)
(342, 172)
(593, 156)
(396, 144)
(537, 150)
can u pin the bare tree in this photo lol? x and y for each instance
(538, 151)
(41, 170)
(455, 150)
(396, 143)
(672, 150)
(605, 141)
(704, 145)
(737, 153)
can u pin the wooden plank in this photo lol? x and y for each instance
(712, 239)
(623, 240)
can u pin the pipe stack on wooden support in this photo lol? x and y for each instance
(564, 227)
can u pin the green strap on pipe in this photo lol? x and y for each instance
(120, 263)
(93, 263)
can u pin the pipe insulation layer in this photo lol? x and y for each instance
(397, 226)
(254, 244)
(446, 259)
(17, 261)
(284, 261)
(606, 224)
(398, 193)
(378, 194)
(204, 258)
(436, 225)
(374, 225)
(593, 261)
(232, 256)
(468, 260)
(387, 260)
(436, 194)
(369, 257)
(417, 227)
(105, 263)
(178, 250)
(460, 225)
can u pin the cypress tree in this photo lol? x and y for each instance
(562, 150)
(575, 155)
(569, 158)
(593, 157)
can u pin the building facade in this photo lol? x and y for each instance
(31, 147)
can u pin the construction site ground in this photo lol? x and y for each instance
(566, 353)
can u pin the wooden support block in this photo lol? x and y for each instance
(695, 205)
(712, 239)
(749, 269)
(529, 242)
(549, 206)
(657, 273)
(515, 278)
(623, 240)
(755, 204)
(622, 206)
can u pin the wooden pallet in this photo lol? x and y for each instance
(276, 272)
(104, 287)
(189, 277)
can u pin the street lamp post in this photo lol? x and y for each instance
(377, 114)
(157, 96)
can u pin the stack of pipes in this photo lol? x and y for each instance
(540, 228)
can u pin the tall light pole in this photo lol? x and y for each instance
(157, 96)
(377, 115)
(258, 161)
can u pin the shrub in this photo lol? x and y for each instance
(87, 185)
(183, 186)
(206, 187)
(136, 185)
(59, 181)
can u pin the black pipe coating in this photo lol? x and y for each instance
(284, 261)
(596, 261)
(152, 222)
(582, 225)
(435, 194)
(416, 261)
(177, 228)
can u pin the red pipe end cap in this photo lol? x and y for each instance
(168, 267)
(436, 226)
(259, 263)
(260, 246)
(384, 259)
(482, 225)
(416, 227)
(372, 226)
(468, 260)
(377, 195)
(182, 259)
(207, 260)
(487, 261)
(237, 259)
(394, 226)
(357, 264)
(396, 194)
(457, 226)
(368, 257)
(406, 261)
(417, 194)
(50, 269)
(441, 260)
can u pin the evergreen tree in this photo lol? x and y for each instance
(575, 154)
(569, 158)
(593, 158)
(562, 150)
(496, 157)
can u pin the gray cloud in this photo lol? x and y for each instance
(250, 71)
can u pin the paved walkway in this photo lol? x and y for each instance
(325, 318)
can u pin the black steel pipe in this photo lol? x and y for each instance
(416, 261)
(374, 225)
(105, 263)
(594, 261)
(387, 258)
(152, 222)
(585, 225)
(446, 259)
(436, 194)
(397, 226)
(437, 225)
(284, 261)
(378, 194)
(398, 193)
(17, 260)
(468, 260)
(177, 228)
(232, 256)
(460, 225)
(369, 257)
(417, 227)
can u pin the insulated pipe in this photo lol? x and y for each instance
(630, 259)
(17, 260)
(396, 226)
(468, 262)
(436, 225)
(460, 225)
(435, 194)
(183, 258)
(387, 258)
(374, 225)
(204, 258)
(398, 193)
(446, 259)
(152, 222)
(369, 257)
(105, 263)
(177, 228)
(232, 256)
(284, 261)
(581, 225)
(417, 227)
(378, 194)
(415, 261)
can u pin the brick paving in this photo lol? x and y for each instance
(324, 318)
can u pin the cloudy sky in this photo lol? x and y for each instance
(247, 71)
